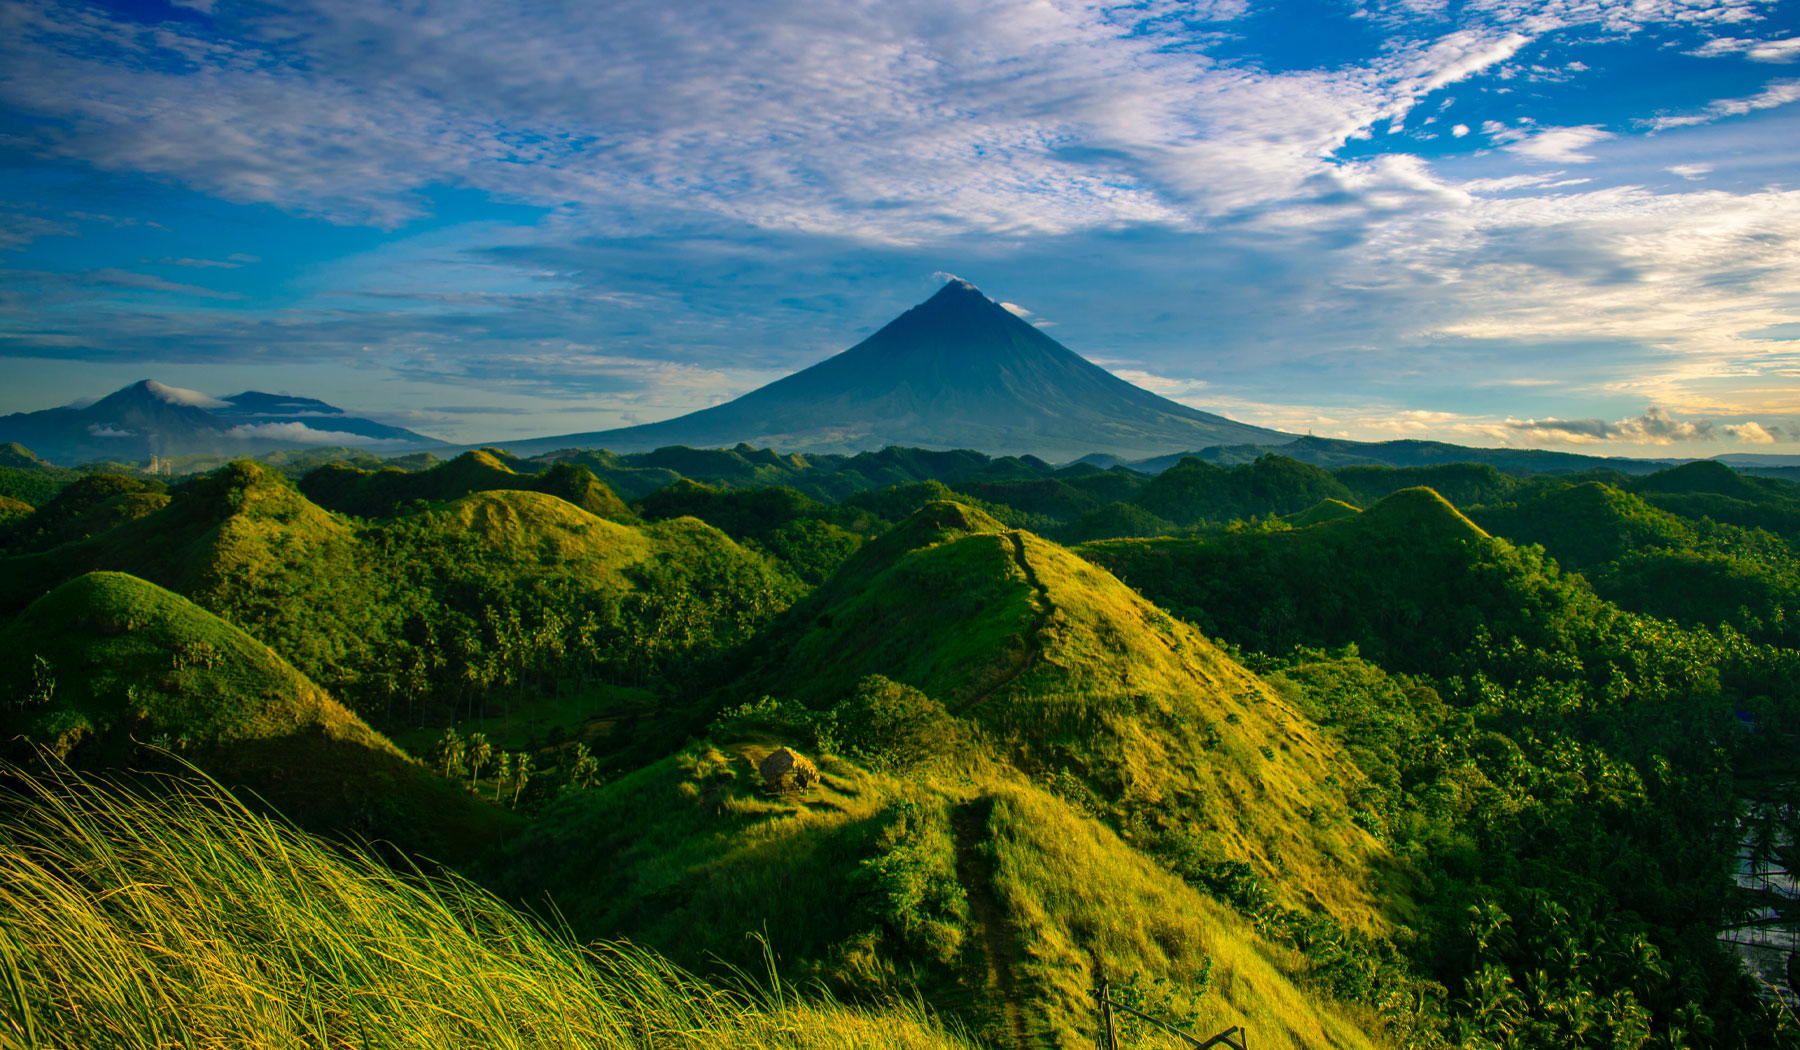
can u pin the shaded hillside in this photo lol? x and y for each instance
(90, 505)
(1192, 492)
(1410, 581)
(381, 493)
(1710, 489)
(1697, 572)
(957, 371)
(107, 663)
(809, 538)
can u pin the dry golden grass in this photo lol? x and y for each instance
(189, 921)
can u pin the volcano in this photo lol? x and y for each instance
(149, 418)
(957, 371)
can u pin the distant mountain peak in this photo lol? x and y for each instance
(148, 418)
(958, 286)
(958, 370)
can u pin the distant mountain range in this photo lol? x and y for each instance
(149, 418)
(957, 371)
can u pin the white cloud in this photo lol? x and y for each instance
(175, 395)
(1787, 50)
(106, 430)
(1551, 144)
(1015, 309)
(301, 434)
(1655, 427)
(1690, 171)
(1777, 93)
(1004, 118)
(1460, 130)
(1750, 433)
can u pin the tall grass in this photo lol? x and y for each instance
(183, 919)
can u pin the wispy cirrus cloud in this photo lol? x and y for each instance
(1777, 93)
(1783, 50)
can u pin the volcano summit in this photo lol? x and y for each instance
(957, 371)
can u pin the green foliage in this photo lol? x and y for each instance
(1585, 752)
(807, 537)
(128, 657)
(784, 719)
(1117, 520)
(488, 598)
(382, 493)
(92, 504)
(892, 727)
(1069, 673)
(908, 886)
(1436, 790)
(1194, 492)
(1464, 484)
(1698, 572)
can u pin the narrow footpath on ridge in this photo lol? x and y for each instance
(1034, 647)
(999, 950)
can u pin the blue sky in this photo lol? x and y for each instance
(1566, 224)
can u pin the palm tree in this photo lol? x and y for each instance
(584, 770)
(502, 774)
(450, 752)
(480, 753)
(522, 769)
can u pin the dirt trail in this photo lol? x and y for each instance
(1034, 648)
(1000, 952)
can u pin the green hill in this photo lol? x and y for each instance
(1463, 484)
(1585, 525)
(958, 879)
(1192, 492)
(381, 493)
(1074, 675)
(1114, 521)
(1322, 511)
(1708, 490)
(90, 505)
(808, 538)
(108, 662)
(1411, 581)
(28, 479)
(1647, 559)
(108, 655)
(1703, 476)
(500, 592)
(12, 512)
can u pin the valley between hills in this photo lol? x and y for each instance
(475, 751)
